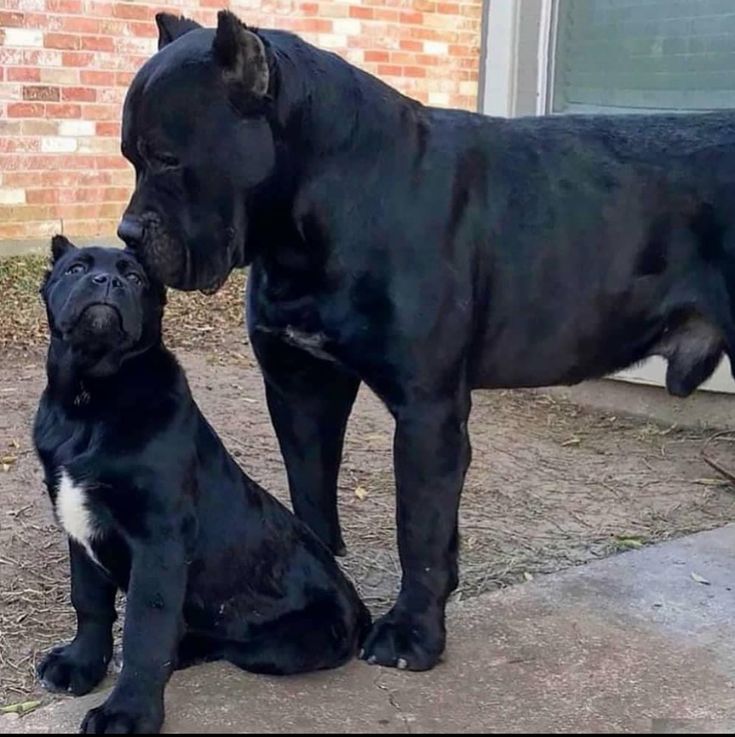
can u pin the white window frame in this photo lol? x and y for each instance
(517, 72)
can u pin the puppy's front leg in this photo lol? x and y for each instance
(79, 666)
(153, 621)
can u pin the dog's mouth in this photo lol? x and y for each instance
(98, 322)
(173, 262)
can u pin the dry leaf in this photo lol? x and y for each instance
(631, 543)
(23, 707)
(527, 576)
(696, 577)
(361, 493)
(572, 441)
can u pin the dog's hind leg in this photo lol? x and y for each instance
(309, 402)
(313, 638)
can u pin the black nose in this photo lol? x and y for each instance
(104, 278)
(130, 231)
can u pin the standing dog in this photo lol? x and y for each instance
(214, 567)
(424, 252)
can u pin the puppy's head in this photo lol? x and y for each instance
(101, 305)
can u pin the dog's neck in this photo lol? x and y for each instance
(141, 377)
(320, 100)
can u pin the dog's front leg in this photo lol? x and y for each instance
(79, 666)
(153, 622)
(431, 454)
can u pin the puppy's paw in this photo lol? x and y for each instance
(119, 717)
(70, 669)
(405, 640)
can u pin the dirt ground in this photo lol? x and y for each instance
(551, 485)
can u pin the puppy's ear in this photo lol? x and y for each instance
(241, 54)
(60, 246)
(171, 27)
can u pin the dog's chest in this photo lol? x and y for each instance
(74, 512)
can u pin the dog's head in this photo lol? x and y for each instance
(101, 306)
(195, 128)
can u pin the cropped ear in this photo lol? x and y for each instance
(241, 54)
(171, 27)
(60, 246)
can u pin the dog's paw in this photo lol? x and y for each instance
(67, 668)
(123, 718)
(406, 641)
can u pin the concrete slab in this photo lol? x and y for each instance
(703, 409)
(631, 643)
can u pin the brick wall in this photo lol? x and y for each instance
(65, 66)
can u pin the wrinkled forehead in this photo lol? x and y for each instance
(175, 91)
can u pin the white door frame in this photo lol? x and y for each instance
(511, 26)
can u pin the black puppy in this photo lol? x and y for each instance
(213, 567)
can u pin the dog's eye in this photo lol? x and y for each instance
(133, 277)
(163, 160)
(76, 269)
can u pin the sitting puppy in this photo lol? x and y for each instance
(214, 567)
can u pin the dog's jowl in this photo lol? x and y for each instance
(424, 252)
(153, 505)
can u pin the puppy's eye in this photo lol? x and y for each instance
(134, 278)
(76, 269)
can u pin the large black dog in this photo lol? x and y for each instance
(214, 567)
(424, 252)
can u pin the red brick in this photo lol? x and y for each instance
(135, 12)
(123, 79)
(389, 70)
(65, 6)
(95, 7)
(315, 25)
(24, 74)
(25, 110)
(76, 58)
(448, 8)
(79, 94)
(109, 130)
(411, 18)
(390, 15)
(309, 8)
(402, 57)
(110, 162)
(98, 43)
(376, 56)
(11, 20)
(80, 24)
(408, 44)
(143, 29)
(63, 110)
(42, 196)
(414, 71)
(96, 78)
(101, 112)
(357, 11)
(61, 41)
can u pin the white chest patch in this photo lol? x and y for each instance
(73, 514)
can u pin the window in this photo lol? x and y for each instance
(643, 55)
